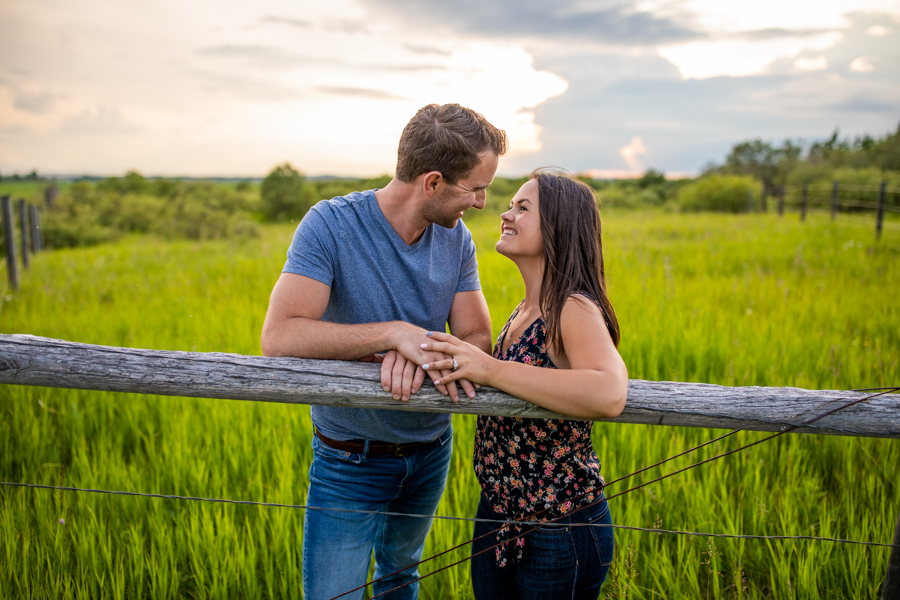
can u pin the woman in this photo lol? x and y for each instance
(538, 469)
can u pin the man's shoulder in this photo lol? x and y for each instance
(339, 205)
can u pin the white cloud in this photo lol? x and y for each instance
(862, 64)
(745, 38)
(631, 152)
(878, 31)
(243, 87)
(819, 63)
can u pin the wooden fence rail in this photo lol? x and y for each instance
(29, 360)
(880, 205)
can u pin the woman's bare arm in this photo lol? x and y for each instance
(592, 381)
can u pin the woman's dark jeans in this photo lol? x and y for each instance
(558, 561)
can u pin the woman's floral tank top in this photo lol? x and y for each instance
(533, 469)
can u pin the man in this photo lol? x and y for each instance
(368, 273)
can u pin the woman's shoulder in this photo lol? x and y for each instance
(582, 301)
(582, 316)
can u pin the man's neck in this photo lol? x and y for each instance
(400, 205)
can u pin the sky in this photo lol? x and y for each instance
(605, 87)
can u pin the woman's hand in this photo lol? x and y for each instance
(472, 364)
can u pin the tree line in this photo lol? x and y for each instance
(95, 210)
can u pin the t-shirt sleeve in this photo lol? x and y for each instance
(313, 251)
(468, 273)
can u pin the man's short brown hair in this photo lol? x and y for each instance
(446, 138)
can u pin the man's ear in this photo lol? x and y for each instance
(432, 183)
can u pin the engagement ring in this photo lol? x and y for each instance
(455, 364)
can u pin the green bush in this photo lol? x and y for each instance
(720, 193)
(88, 214)
(284, 194)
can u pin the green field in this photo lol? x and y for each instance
(735, 300)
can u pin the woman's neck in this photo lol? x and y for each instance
(532, 273)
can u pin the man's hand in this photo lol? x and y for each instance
(399, 376)
(403, 377)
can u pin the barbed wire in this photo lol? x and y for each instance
(511, 539)
(535, 524)
(452, 517)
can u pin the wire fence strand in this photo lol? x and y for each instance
(535, 525)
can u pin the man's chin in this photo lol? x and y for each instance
(448, 224)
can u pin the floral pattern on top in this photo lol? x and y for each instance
(533, 469)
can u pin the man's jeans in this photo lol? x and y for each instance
(337, 546)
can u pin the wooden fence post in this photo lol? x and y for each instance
(50, 194)
(834, 199)
(23, 231)
(9, 240)
(781, 202)
(891, 588)
(37, 238)
(879, 221)
(804, 201)
(750, 207)
(762, 199)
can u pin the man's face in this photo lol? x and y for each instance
(448, 206)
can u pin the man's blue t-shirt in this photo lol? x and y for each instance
(348, 244)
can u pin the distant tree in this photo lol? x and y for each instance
(132, 183)
(651, 178)
(887, 151)
(761, 160)
(284, 194)
(828, 150)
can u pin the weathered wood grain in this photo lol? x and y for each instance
(29, 360)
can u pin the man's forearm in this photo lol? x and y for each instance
(479, 339)
(311, 338)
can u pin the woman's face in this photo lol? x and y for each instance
(520, 226)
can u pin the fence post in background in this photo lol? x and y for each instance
(762, 199)
(50, 195)
(9, 241)
(804, 201)
(879, 221)
(37, 238)
(834, 199)
(750, 207)
(781, 202)
(23, 231)
(891, 588)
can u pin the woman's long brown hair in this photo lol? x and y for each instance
(573, 251)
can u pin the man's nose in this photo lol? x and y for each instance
(480, 198)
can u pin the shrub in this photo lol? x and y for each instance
(89, 214)
(284, 194)
(722, 193)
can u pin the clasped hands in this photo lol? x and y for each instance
(403, 368)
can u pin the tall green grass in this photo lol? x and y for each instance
(736, 300)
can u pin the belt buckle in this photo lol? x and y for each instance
(401, 450)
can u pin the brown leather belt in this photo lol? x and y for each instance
(374, 447)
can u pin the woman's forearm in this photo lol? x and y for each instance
(586, 393)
